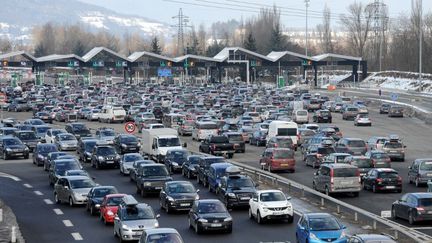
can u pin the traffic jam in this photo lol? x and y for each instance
(152, 132)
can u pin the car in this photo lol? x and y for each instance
(278, 159)
(322, 116)
(85, 148)
(270, 205)
(106, 134)
(320, 227)
(41, 152)
(127, 161)
(420, 171)
(7, 131)
(175, 158)
(394, 148)
(109, 207)
(382, 179)
(236, 138)
(185, 127)
(363, 163)
(396, 111)
(353, 146)
(209, 215)
(78, 129)
(105, 156)
(246, 133)
(65, 142)
(12, 147)
(177, 196)
(135, 167)
(384, 108)
(51, 157)
(190, 166)
(362, 120)
(60, 166)
(204, 166)
(376, 142)
(336, 158)
(315, 155)
(28, 138)
(40, 131)
(380, 159)
(150, 178)
(414, 207)
(165, 235)
(371, 238)
(337, 178)
(127, 143)
(51, 133)
(44, 116)
(93, 115)
(216, 171)
(72, 189)
(258, 138)
(133, 218)
(95, 197)
(350, 112)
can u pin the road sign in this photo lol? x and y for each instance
(394, 96)
(130, 127)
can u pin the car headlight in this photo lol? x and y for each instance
(202, 220)
(87, 153)
(125, 227)
(170, 199)
(197, 197)
(156, 224)
(174, 163)
(110, 213)
(343, 235)
(8, 149)
(76, 195)
(117, 157)
(101, 158)
(139, 144)
(231, 194)
(313, 236)
(26, 148)
(124, 145)
(147, 183)
(40, 156)
(265, 209)
(228, 219)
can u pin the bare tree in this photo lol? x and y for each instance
(325, 32)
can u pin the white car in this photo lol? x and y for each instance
(270, 204)
(51, 133)
(362, 120)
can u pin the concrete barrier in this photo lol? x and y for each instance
(9, 229)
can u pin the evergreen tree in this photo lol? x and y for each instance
(277, 40)
(250, 42)
(155, 47)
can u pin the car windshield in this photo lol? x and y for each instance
(389, 175)
(108, 133)
(12, 141)
(380, 156)
(76, 173)
(169, 142)
(90, 145)
(102, 192)
(106, 151)
(284, 142)
(194, 160)
(240, 183)
(36, 122)
(425, 202)
(149, 171)
(356, 143)
(283, 154)
(272, 197)
(61, 168)
(326, 150)
(42, 129)
(45, 149)
(132, 157)
(54, 156)
(363, 163)
(181, 188)
(235, 137)
(287, 132)
(26, 135)
(302, 113)
(427, 165)
(212, 126)
(323, 224)
(55, 132)
(78, 127)
(345, 172)
(137, 212)
(211, 207)
(114, 201)
(81, 183)
(393, 145)
(164, 238)
(67, 137)
(129, 140)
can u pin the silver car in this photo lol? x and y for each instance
(161, 235)
(65, 141)
(133, 218)
(73, 189)
(106, 135)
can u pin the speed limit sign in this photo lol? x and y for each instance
(130, 127)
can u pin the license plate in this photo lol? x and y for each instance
(158, 187)
(429, 174)
(110, 162)
(245, 198)
(393, 151)
(345, 182)
(278, 213)
(216, 225)
(284, 164)
(18, 153)
(184, 204)
(390, 187)
(263, 163)
(131, 148)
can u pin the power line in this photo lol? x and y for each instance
(182, 23)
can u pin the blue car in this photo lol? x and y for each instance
(320, 227)
(216, 171)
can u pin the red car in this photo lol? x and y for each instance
(109, 207)
(277, 159)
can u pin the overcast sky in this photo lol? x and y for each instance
(292, 10)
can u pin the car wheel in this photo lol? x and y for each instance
(258, 218)
(393, 213)
(71, 203)
(374, 190)
(197, 229)
(92, 210)
(167, 209)
(417, 182)
(411, 220)
(250, 213)
(190, 223)
(56, 199)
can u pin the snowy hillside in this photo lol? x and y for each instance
(404, 81)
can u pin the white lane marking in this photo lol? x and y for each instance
(39, 193)
(9, 176)
(58, 211)
(48, 201)
(77, 236)
(27, 185)
(67, 223)
(1, 215)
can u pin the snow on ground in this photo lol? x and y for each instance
(396, 80)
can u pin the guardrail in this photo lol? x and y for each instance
(358, 215)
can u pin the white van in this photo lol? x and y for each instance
(111, 114)
(300, 116)
(283, 128)
(204, 129)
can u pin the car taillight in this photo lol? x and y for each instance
(358, 174)
(319, 156)
(379, 180)
(331, 176)
(420, 209)
(399, 179)
(183, 127)
(213, 146)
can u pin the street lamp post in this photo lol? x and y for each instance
(307, 35)
(420, 40)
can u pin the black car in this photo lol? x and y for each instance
(178, 196)
(126, 143)
(44, 116)
(28, 138)
(104, 156)
(414, 207)
(85, 149)
(13, 147)
(151, 178)
(133, 172)
(95, 197)
(322, 116)
(190, 167)
(258, 138)
(209, 215)
(382, 179)
(175, 158)
(51, 157)
(236, 138)
(236, 190)
(41, 152)
(384, 109)
(60, 166)
(78, 129)
(204, 166)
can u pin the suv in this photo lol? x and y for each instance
(203, 168)
(236, 189)
(175, 158)
(336, 178)
(133, 218)
(41, 152)
(353, 146)
(127, 143)
(420, 171)
(382, 179)
(105, 155)
(363, 164)
(78, 129)
(85, 148)
(315, 157)
(322, 116)
(394, 148)
(395, 111)
(150, 178)
(28, 138)
(281, 142)
(236, 138)
(350, 112)
(278, 159)
(106, 134)
(379, 158)
(384, 108)
(13, 147)
(281, 207)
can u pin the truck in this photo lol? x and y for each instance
(217, 145)
(157, 142)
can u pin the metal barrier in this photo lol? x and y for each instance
(396, 230)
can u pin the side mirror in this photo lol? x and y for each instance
(185, 145)
(316, 173)
(344, 227)
(198, 190)
(97, 206)
(255, 199)
(288, 198)
(157, 216)
(301, 228)
(66, 187)
(116, 218)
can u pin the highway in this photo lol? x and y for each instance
(38, 219)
